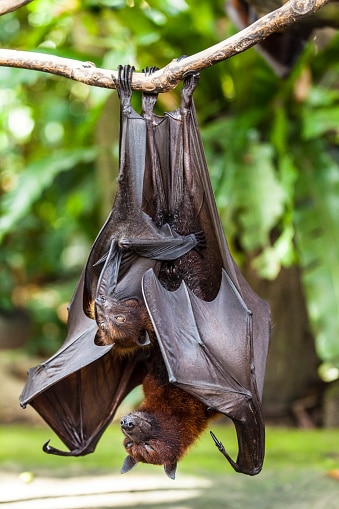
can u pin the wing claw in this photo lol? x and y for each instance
(223, 451)
(52, 450)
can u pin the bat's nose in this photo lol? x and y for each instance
(127, 423)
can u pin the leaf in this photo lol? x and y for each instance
(37, 176)
(317, 235)
(320, 121)
(259, 196)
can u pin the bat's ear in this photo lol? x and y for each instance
(128, 464)
(170, 470)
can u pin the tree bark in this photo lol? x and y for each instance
(169, 76)
(293, 391)
(11, 5)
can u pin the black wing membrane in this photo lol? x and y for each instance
(78, 389)
(214, 338)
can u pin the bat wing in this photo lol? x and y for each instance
(78, 389)
(208, 350)
(213, 330)
(217, 250)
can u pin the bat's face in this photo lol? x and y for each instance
(125, 324)
(146, 442)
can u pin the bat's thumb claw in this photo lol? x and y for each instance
(216, 441)
(223, 451)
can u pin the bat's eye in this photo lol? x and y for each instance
(102, 326)
(120, 318)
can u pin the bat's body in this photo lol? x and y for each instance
(154, 279)
(166, 424)
(207, 323)
(282, 49)
(129, 243)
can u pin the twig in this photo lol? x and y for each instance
(11, 5)
(169, 76)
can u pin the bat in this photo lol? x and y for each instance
(130, 241)
(199, 338)
(211, 328)
(64, 389)
(282, 49)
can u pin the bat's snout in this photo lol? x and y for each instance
(127, 423)
(137, 426)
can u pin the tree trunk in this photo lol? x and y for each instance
(292, 392)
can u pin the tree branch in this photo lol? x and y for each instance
(11, 5)
(169, 76)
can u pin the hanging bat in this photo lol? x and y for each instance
(282, 49)
(107, 307)
(212, 329)
(71, 380)
(130, 242)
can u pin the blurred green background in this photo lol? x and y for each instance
(272, 147)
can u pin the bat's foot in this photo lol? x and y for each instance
(124, 85)
(148, 71)
(149, 98)
(191, 79)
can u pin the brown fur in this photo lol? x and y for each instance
(167, 423)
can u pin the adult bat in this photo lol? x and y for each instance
(78, 390)
(282, 49)
(181, 197)
(130, 242)
(212, 329)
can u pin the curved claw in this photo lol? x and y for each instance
(123, 84)
(201, 240)
(181, 57)
(251, 441)
(150, 70)
(52, 450)
(223, 451)
(191, 79)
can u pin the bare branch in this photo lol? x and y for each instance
(169, 76)
(11, 5)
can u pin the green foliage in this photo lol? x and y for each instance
(317, 229)
(272, 150)
(35, 180)
(275, 172)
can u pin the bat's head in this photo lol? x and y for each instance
(126, 324)
(146, 442)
